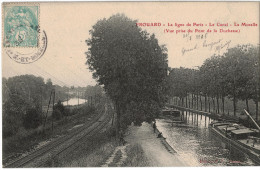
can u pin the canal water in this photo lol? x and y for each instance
(197, 146)
(74, 101)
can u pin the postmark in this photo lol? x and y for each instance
(20, 25)
(28, 56)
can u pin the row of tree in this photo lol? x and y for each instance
(233, 75)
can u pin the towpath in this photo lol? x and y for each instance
(157, 150)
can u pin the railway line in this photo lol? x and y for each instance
(63, 144)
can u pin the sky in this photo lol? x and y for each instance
(67, 27)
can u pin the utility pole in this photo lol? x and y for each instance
(67, 99)
(41, 104)
(95, 99)
(85, 96)
(59, 96)
(53, 109)
(78, 99)
(47, 111)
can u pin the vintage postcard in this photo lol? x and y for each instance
(130, 84)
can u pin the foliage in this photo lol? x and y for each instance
(59, 106)
(23, 97)
(32, 118)
(12, 114)
(130, 64)
(57, 114)
(234, 74)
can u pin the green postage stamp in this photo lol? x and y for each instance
(21, 25)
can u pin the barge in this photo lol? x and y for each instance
(239, 137)
(174, 115)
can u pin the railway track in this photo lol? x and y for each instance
(91, 128)
(77, 143)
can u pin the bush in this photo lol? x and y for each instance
(12, 114)
(57, 115)
(11, 124)
(59, 106)
(89, 109)
(32, 119)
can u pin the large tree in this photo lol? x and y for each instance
(130, 64)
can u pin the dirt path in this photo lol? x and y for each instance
(157, 151)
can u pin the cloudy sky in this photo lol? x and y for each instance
(67, 26)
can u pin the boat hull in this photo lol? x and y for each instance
(230, 143)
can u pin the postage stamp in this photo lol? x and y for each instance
(21, 25)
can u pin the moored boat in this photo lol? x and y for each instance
(239, 137)
(174, 115)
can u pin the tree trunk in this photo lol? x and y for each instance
(118, 118)
(218, 104)
(223, 104)
(186, 100)
(209, 103)
(234, 105)
(113, 118)
(214, 108)
(197, 101)
(192, 100)
(256, 99)
(205, 107)
(200, 103)
(189, 101)
(234, 100)
(247, 107)
(256, 111)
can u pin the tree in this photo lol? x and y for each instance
(252, 87)
(130, 64)
(59, 109)
(13, 112)
(241, 63)
(32, 118)
(180, 82)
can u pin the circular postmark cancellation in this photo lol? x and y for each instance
(28, 55)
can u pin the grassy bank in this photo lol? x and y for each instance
(96, 152)
(135, 157)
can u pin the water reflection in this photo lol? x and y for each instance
(74, 101)
(195, 144)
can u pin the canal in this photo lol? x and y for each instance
(195, 144)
